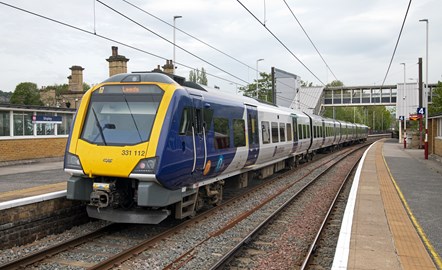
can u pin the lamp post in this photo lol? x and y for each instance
(405, 112)
(426, 90)
(174, 18)
(257, 74)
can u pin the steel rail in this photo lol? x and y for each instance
(49, 252)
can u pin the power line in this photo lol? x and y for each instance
(397, 42)
(182, 31)
(165, 39)
(253, 15)
(109, 39)
(305, 32)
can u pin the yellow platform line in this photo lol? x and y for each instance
(416, 224)
(33, 191)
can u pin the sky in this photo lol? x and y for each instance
(355, 38)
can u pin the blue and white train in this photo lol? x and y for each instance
(144, 147)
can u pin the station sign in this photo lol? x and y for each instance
(421, 110)
(401, 118)
(414, 117)
(46, 119)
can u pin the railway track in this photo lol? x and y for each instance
(321, 252)
(261, 249)
(186, 241)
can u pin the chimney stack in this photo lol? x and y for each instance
(117, 63)
(168, 67)
(76, 79)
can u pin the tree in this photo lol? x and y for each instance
(306, 84)
(335, 83)
(436, 107)
(198, 76)
(202, 78)
(192, 76)
(86, 87)
(5, 96)
(264, 87)
(26, 93)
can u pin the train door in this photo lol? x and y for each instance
(199, 137)
(252, 134)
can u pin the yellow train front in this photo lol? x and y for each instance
(111, 152)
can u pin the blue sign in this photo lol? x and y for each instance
(46, 119)
(401, 118)
(421, 110)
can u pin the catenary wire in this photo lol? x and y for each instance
(110, 39)
(311, 41)
(189, 35)
(397, 42)
(282, 43)
(165, 39)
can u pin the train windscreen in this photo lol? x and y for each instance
(121, 114)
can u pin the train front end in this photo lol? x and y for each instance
(112, 151)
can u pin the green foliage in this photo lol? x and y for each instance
(436, 107)
(376, 117)
(26, 93)
(264, 88)
(198, 76)
(59, 88)
(335, 83)
(5, 96)
(306, 84)
(192, 76)
(86, 86)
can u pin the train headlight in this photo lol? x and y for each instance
(72, 162)
(146, 166)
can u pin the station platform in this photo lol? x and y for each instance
(31, 181)
(393, 216)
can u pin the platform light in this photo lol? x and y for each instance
(174, 28)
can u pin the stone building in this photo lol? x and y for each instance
(117, 63)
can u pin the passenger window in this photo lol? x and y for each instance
(239, 134)
(265, 132)
(208, 116)
(289, 132)
(275, 137)
(198, 120)
(282, 131)
(222, 133)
